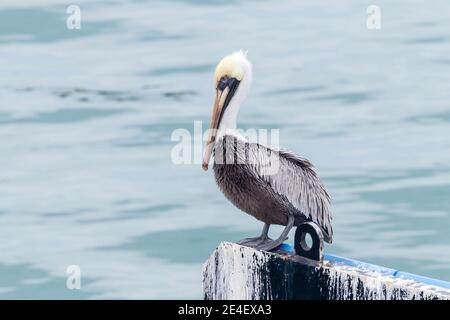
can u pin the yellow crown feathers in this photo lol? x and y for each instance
(229, 66)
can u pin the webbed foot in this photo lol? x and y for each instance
(253, 242)
(270, 244)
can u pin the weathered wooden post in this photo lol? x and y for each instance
(237, 272)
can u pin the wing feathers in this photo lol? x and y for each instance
(299, 183)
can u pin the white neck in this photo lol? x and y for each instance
(229, 118)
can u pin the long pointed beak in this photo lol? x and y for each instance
(216, 116)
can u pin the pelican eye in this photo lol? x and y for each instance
(222, 83)
(226, 81)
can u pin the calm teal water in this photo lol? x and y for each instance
(86, 118)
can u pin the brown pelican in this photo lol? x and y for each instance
(288, 196)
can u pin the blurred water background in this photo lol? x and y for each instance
(86, 118)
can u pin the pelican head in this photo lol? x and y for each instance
(232, 80)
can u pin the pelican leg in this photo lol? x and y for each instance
(253, 242)
(270, 244)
